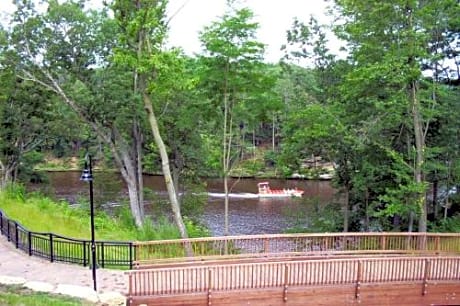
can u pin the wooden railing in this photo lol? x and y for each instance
(152, 252)
(202, 278)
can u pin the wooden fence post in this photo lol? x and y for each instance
(209, 285)
(266, 246)
(426, 276)
(130, 288)
(359, 276)
(383, 242)
(286, 280)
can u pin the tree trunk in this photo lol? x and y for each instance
(419, 148)
(166, 170)
(226, 149)
(6, 176)
(129, 169)
(434, 202)
(366, 218)
(254, 142)
(273, 132)
(346, 206)
(226, 200)
(137, 138)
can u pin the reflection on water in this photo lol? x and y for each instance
(251, 216)
(246, 216)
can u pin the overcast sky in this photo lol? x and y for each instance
(274, 16)
(190, 16)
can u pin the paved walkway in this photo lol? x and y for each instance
(17, 267)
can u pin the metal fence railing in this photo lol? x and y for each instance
(56, 248)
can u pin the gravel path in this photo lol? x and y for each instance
(14, 264)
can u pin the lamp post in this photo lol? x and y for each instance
(87, 176)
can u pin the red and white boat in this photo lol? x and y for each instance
(266, 192)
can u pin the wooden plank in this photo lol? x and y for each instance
(248, 275)
(446, 293)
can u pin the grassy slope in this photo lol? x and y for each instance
(40, 214)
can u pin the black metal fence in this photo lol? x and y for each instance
(56, 248)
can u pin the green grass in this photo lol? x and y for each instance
(18, 295)
(41, 214)
(38, 213)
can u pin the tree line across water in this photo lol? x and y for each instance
(77, 80)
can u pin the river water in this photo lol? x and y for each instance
(246, 216)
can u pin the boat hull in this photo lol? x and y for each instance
(280, 195)
(255, 195)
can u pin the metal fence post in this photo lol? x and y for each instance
(8, 229)
(130, 255)
(16, 243)
(101, 248)
(29, 238)
(51, 247)
(84, 254)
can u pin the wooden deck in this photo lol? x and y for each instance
(409, 270)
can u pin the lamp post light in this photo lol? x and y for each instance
(87, 176)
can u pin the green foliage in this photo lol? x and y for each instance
(447, 225)
(16, 192)
(25, 118)
(313, 130)
(270, 158)
(213, 153)
(193, 202)
(27, 172)
(163, 229)
(235, 81)
(249, 167)
(156, 231)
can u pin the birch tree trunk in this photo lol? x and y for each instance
(175, 206)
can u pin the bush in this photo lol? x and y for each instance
(448, 225)
(27, 165)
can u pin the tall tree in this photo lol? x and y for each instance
(143, 30)
(319, 123)
(388, 43)
(231, 58)
(63, 50)
(24, 119)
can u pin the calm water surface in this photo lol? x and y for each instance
(246, 216)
